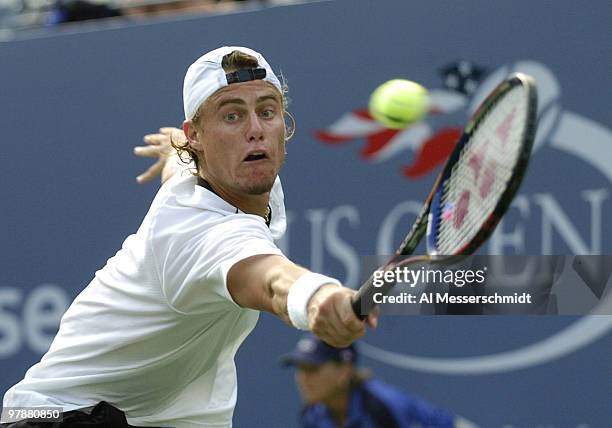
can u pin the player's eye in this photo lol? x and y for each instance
(231, 117)
(268, 113)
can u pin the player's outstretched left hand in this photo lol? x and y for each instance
(158, 146)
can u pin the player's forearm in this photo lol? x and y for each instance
(302, 298)
(306, 300)
(263, 283)
(279, 281)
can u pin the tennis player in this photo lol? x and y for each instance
(151, 340)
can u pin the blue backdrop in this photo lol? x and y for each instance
(74, 102)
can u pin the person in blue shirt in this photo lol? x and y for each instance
(338, 394)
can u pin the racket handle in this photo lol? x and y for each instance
(356, 304)
(363, 300)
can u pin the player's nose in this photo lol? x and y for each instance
(255, 130)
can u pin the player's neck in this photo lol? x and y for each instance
(247, 203)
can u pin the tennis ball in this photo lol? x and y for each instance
(398, 103)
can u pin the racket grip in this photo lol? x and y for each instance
(356, 304)
(363, 302)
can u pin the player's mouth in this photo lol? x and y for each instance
(256, 156)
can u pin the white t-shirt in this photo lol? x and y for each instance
(156, 331)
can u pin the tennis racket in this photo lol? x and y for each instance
(475, 187)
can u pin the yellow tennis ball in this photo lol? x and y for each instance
(398, 103)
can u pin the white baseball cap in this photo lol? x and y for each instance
(206, 76)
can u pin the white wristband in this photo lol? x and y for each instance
(299, 295)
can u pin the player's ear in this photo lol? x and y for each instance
(192, 133)
(289, 126)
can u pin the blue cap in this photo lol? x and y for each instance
(310, 350)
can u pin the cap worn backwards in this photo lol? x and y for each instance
(206, 76)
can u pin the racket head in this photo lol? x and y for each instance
(485, 170)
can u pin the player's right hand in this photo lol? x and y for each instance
(332, 319)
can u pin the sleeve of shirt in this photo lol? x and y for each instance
(193, 269)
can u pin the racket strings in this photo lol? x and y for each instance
(482, 172)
